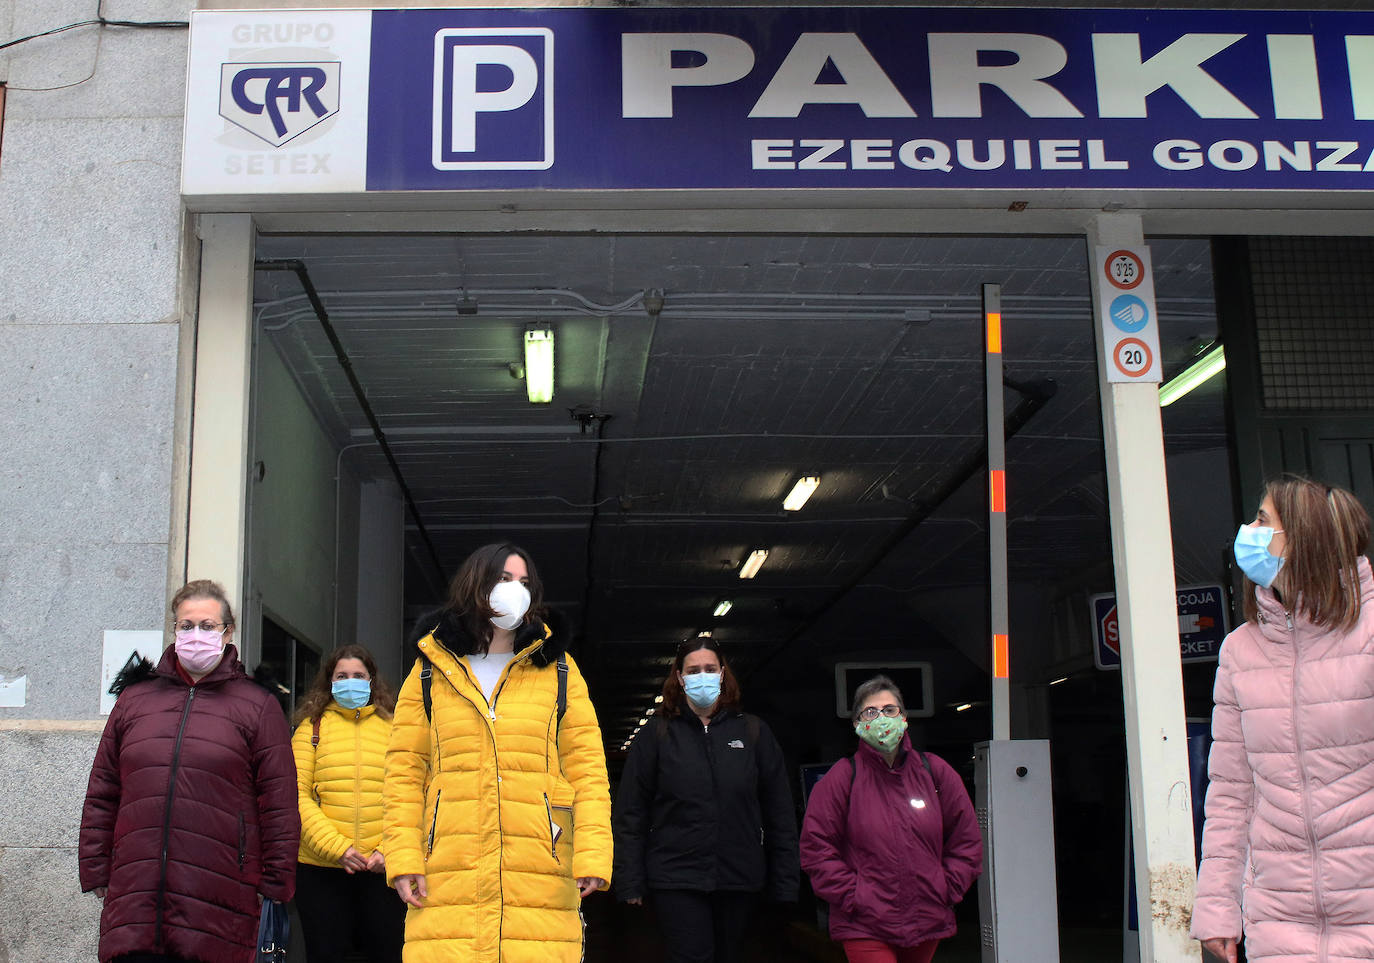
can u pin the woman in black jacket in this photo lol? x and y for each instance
(704, 818)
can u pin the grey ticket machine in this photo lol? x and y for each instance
(1017, 905)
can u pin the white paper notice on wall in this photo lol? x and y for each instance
(12, 692)
(121, 645)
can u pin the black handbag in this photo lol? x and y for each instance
(274, 932)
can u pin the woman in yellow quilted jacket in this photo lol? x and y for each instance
(497, 818)
(342, 730)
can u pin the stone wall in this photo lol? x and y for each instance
(91, 258)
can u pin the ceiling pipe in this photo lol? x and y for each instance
(591, 419)
(1035, 395)
(427, 303)
(298, 268)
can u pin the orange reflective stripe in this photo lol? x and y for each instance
(998, 495)
(999, 657)
(994, 319)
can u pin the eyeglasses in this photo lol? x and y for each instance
(206, 626)
(871, 713)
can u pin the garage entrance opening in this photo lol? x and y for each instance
(697, 379)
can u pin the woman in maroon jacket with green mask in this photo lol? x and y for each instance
(890, 839)
(191, 817)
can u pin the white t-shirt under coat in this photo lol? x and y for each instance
(488, 668)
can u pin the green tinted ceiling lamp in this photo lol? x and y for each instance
(539, 365)
(1208, 366)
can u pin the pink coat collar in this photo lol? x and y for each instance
(1274, 618)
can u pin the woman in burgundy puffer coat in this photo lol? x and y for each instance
(191, 816)
(1288, 846)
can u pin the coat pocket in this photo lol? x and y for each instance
(560, 830)
(433, 824)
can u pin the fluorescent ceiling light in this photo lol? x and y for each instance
(704, 634)
(801, 491)
(753, 563)
(963, 706)
(1209, 365)
(643, 721)
(658, 699)
(539, 365)
(1062, 678)
(723, 606)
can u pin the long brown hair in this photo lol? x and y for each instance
(320, 693)
(476, 577)
(1327, 530)
(675, 699)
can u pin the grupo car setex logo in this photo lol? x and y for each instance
(278, 101)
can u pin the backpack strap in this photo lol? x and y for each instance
(562, 688)
(427, 683)
(315, 733)
(426, 680)
(854, 769)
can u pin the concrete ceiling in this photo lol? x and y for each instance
(858, 358)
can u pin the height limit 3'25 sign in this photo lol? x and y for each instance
(1126, 307)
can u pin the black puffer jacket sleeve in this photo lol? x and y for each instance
(633, 814)
(779, 819)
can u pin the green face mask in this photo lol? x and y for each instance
(883, 733)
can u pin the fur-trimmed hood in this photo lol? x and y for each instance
(449, 631)
(137, 669)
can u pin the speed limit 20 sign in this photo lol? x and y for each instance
(1126, 311)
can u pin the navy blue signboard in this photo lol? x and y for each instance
(776, 97)
(870, 98)
(1202, 625)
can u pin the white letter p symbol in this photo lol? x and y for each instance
(468, 101)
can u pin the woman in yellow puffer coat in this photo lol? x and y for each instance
(342, 731)
(497, 817)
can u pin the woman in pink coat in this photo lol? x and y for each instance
(1288, 847)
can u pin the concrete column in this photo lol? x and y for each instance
(1151, 671)
(215, 538)
(381, 574)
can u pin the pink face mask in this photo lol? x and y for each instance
(199, 651)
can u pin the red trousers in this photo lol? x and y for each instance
(876, 951)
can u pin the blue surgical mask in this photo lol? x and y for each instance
(352, 693)
(703, 688)
(1252, 554)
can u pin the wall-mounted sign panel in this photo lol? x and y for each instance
(853, 98)
(1202, 625)
(1126, 311)
(915, 680)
